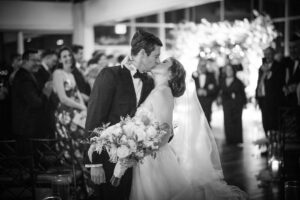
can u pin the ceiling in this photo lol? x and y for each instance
(71, 1)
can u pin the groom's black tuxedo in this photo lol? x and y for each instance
(113, 96)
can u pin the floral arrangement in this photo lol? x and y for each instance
(212, 40)
(239, 42)
(128, 141)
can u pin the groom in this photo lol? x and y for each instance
(118, 91)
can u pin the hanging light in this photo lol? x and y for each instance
(120, 29)
(59, 42)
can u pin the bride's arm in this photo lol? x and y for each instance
(163, 105)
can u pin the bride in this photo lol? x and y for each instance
(189, 166)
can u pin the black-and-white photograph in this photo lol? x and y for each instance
(149, 100)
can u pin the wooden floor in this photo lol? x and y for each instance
(241, 164)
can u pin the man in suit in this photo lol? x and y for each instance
(118, 91)
(77, 71)
(28, 101)
(44, 80)
(269, 92)
(292, 77)
(206, 86)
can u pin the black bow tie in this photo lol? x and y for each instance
(142, 76)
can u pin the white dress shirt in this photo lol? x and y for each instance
(202, 79)
(137, 83)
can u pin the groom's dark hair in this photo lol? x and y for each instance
(144, 40)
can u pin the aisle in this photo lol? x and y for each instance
(242, 163)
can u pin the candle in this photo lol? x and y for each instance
(275, 165)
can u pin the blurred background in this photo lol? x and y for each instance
(242, 57)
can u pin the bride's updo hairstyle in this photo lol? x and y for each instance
(177, 79)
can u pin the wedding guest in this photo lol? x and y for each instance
(16, 62)
(95, 65)
(70, 107)
(5, 115)
(292, 78)
(78, 70)
(28, 102)
(44, 80)
(206, 86)
(233, 100)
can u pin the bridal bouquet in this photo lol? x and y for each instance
(129, 141)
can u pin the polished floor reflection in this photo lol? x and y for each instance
(243, 163)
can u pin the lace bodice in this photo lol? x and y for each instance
(160, 102)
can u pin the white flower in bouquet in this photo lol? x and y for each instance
(141, 135)
(129, 128)
(123, 139)
(123, 151)
(151, 132)
(132, 145)
(113, 155)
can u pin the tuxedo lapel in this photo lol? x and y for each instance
(146, 89)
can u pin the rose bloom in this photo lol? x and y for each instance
(129, 129)
(141, 135)
(123, 151)
(151, 132)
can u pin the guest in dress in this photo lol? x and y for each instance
(233, 100)
(70, 106)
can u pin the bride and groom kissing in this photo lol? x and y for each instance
(120, 91)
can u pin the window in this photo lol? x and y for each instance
(175, 16)
(105, 35)
(237, 9)
(210, 11)
(275, 8)
(149, 19)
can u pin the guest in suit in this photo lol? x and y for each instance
(274, 97)
(233, 100)
(78, 72)
(206, 86)
(292, 78)
(44, 79)
(118, 91)
(28, 100)
(16, 63)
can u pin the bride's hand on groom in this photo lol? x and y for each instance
(98, 175)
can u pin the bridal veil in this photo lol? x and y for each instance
(196, 149)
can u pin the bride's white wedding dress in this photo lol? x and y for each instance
(187, 168)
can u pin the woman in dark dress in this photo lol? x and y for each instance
(233, 100)
(68, 130)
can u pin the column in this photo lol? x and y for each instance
(286, 29)
(222, 10)
(83, 33)
(20, 43)
(161, 30)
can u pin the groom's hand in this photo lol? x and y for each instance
(98, 175)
